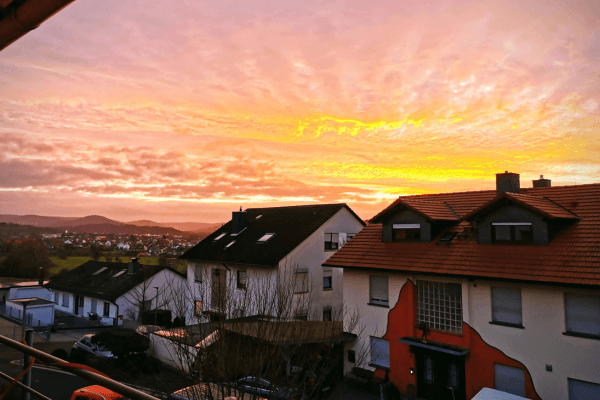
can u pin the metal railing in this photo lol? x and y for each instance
(46, 358)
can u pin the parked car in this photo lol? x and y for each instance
(264, 388)
(96, 392)
(85, 346)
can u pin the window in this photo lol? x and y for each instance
(332, 241)
(119, 273)
(81, 301)
(582, 314)
(242, 279)
(301, 284)
(197, 308)
(106, 309)
(512, 233)
(100, 271)
(378, 286)
(582, 390)
(301, 317)
(265, 238)
(230, 244)
(327, 314)
(65, 299)
(506, 306)
(327, 282)
(219, 237)
(380, 352)
(56, 297)
(406, 232)
(198, 274)
(509, 379)
(439, 305)
(239, 313)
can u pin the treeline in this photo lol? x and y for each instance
(30, 260)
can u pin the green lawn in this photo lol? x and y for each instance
(74, 262)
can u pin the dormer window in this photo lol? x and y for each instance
(219, 237)
(406, 232)
(512, 233)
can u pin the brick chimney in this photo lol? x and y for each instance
(542, 182)
(238, 221)
(507, 182)
(133, 266)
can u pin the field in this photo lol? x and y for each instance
(73, 262)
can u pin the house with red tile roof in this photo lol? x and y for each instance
(497, 288)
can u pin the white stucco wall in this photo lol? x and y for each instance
(44, 313)
(24, 293)
(171, 295)
(541, 341)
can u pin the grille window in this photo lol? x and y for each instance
(439, 305)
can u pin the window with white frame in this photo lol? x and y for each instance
(512, 233)
(327, 314)
(332, 241)
(56, 297)
(378, 288)
(327, 279)
(439, 305)
(65, 300)
(506, 306)
(198, 271)
(582, 390)
(197, 308)
(509, 379)
(380, 352)
(301, 282)
(406, 232)
(582, 314)
(106, 310)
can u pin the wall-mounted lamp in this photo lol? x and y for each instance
(412, 371)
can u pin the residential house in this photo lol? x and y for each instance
(261, 251)
(497, 288)
(118, 292)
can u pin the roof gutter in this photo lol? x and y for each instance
(26, 17)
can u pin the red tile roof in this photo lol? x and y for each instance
(432, 210)
(572, 256)
(540, 205)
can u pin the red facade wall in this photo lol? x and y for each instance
(479, 363)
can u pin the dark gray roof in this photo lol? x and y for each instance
(103, 285)
(291, 226)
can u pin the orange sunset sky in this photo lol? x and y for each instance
(186, 110)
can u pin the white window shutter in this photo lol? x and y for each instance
(581, 390)
(583, 314)
(343, 239)
(506, 305)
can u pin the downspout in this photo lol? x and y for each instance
(26, 17)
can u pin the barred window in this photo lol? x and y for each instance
(439, 305)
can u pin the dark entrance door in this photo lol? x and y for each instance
(76, 305)
(440, 376)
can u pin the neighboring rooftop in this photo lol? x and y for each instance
(6, 282)
(95, 278)
(571, 257)
(289, 226)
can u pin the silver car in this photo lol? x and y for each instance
(85, 346)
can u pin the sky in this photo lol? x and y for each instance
(185, 110)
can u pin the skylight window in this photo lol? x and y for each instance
(100, 271)
(258, 217)
(219, 237)
(230, 244)
(119, 273)
(265, 238)
(448, 236)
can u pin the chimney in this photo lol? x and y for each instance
(134, 266)
(41, 280)
(238, 221)
(542, 182)
(507, 182)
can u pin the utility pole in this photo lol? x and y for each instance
(156, 305)
(27, 360)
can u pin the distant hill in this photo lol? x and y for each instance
(102, 225)
(200, 227)
(9, 230)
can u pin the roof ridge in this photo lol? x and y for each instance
(300, 206)
(569, 211)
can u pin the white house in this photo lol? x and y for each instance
(118, 292)
(262, 255)
(497, 289)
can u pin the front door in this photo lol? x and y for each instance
(440, 376)
(76, 305)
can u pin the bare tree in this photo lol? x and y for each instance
(257, 323)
